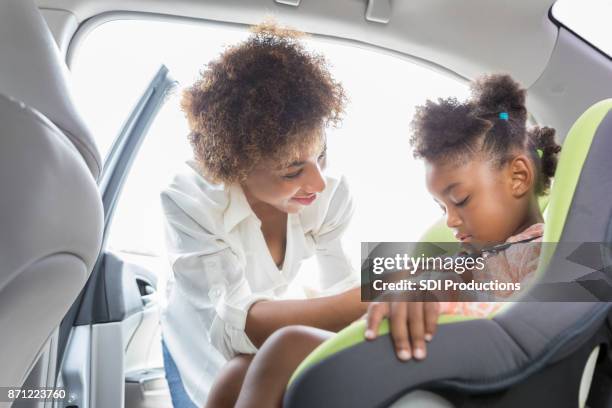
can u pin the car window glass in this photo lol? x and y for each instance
(590, 19)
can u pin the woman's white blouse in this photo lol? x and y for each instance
(221, 265)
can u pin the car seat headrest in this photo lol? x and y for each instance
(33, 72)
(571, 161)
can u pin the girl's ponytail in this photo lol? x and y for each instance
(543, 140)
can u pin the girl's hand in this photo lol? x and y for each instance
(411, 325)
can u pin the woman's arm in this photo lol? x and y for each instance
(331, 313)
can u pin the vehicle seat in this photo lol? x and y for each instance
(50, 208)
(517, 357)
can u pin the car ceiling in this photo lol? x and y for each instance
(466, 37)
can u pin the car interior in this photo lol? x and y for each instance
(77, 315)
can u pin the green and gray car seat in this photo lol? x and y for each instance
(540, 353)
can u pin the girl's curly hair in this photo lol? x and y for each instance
(264, 98)
(450, 130)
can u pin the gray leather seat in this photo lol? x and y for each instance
(50, 208)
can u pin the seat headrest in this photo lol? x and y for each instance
(33, 72)
(571, 161)
(51, 232)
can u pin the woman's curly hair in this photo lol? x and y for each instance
(265, 98)
(449, 129)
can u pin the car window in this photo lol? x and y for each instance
(590, 19)
(371, 147)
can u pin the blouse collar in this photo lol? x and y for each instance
(237, 209)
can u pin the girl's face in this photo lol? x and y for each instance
(291, 187)
(484, 204)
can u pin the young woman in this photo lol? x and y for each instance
(252, 205)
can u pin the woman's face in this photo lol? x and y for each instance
(291, 187)
(483, 204)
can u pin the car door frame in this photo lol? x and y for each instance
(93, 320)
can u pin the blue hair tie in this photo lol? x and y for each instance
(504, 116)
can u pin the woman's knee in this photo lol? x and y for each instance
(294, 339)
(227, 385)
(235, 369)
(240, 362)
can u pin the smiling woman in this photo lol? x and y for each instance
(252, 205)
(110, 66)
(266, 98)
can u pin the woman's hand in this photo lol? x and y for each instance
(411, 325)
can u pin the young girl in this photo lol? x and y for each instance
(485, 169)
